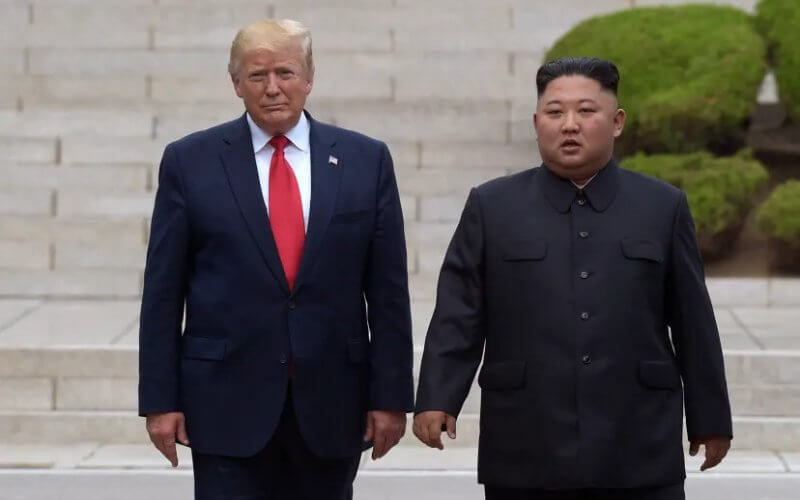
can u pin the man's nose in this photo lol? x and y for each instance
(272, 85)
(570, 122)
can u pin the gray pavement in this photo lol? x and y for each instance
(370, 485)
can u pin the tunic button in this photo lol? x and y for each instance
(586, 359)
(584, 234)
(284, 359)
(581, 202)
(584, 316)
(584, 275)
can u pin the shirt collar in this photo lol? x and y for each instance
(600, 192)
(579, 186)
(298, 135)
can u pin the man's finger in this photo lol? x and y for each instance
(714, 455)
(378, 446)
(435, 435)
(369, 434)
(183, 437)
(421, 430)
(694, 447)
(169, 451)
(451, 427)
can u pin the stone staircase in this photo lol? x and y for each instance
(90, 93)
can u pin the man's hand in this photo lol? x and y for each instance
(384, 429)
(164, 429)
(428, 427)
(716, 449)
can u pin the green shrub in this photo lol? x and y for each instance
(779, 216)
(689, 74)
(779, 21)
(720, 191)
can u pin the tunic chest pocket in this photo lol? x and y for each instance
(642, 249)
(526, 251)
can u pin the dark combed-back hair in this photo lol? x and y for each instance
(602, 71)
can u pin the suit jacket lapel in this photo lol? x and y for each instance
(325, 178)
(240, 166)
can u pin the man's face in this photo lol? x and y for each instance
(274, 86)
(576, 122)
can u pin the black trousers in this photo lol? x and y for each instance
(671, 492)
(284, 470)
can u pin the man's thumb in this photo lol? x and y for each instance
(451, 427)
(183, 438)
(368, 435)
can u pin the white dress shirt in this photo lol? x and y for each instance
(581, 186)
(297, 153)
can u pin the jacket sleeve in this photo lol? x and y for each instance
(386, 291)
(694, 333)
(455, 339)
(164, 293)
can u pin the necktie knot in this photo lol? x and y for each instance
(279, 142)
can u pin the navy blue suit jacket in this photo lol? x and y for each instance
(211, 250)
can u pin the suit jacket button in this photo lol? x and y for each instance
(586, 359)
(284, 359)
(292, 305)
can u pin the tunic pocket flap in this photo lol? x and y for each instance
(659, 375)
(527, 250)
(502, 375)
(203, 348)
(634, 248)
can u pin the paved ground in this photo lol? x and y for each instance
(130, 485)
(753, 313)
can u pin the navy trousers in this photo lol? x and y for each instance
(284, 470)
(671, 492)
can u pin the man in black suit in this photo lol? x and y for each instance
(283, 238)
(583, 283)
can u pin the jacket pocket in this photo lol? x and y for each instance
(659, 375)
(203, 348)
(635, 248)
(349, 216)
(502, 375)
(527, 250)
(357, 351)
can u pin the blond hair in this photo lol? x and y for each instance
(270, 34)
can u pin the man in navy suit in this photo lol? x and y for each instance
(275, 232)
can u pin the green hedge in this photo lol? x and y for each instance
(779, 216)
(779, 21)
(689, 74)
(720, 191)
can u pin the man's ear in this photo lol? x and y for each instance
(236, 85)
(619, 122)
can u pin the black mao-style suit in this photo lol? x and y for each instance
(573, 293)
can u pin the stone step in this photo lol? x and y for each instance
(119, 393)
(124, 427)
(49, 354)
(94, 456)
(104, 378)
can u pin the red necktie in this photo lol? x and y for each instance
(285, 210)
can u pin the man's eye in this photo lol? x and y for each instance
(586, 110)
(554, 112)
